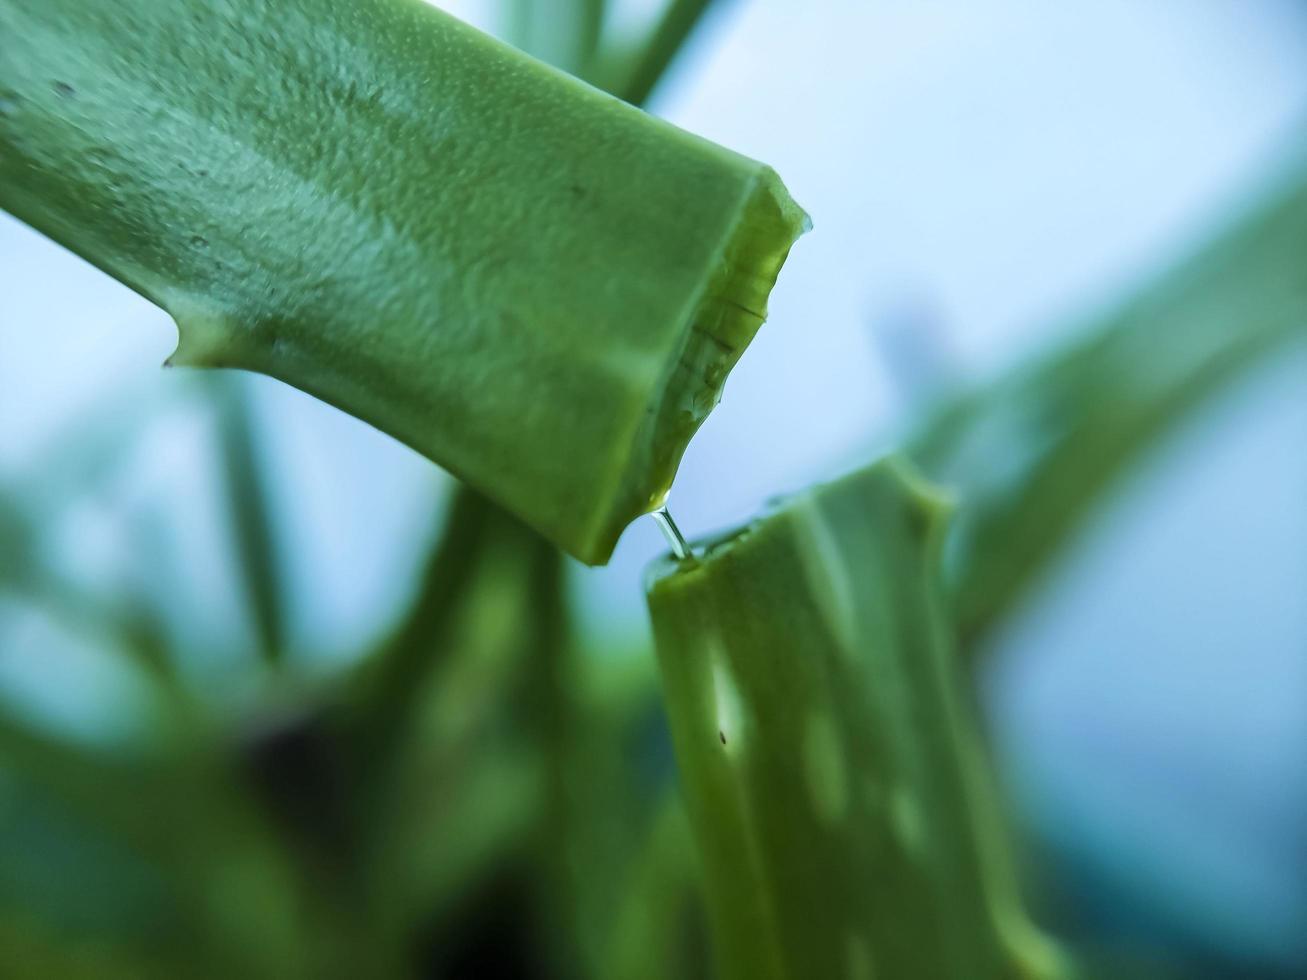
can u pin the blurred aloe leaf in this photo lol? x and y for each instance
(32, 952)
(633, 74)
(65, 870)
(181, 819)
(1032, 455)
(565, 33)
(659, 928)
(501, 747)
(129, 626)
(85, 456)
(593, 15)
(394, 683)
(250, 513)
(831, 772)
(437, 727)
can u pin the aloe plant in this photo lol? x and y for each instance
(816, 644)
(533, 283)
(509, 270)
(829, 764)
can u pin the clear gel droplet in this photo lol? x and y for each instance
(675, 540)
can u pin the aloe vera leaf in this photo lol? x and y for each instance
(593, 15)
(533, 283)
(250, 515)
(435, 733)
(132, 630)
(832, 776)
(212, 850)
(563, 33)
(650, 63)
(1031, 456)
(652, 936)
(580, 750)
(32, 953)
(395, 683)
(502, 793)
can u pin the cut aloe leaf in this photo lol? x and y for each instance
(532, 283)
(832, 776)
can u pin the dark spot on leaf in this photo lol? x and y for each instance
(199, 241)
(577, 190)
(722, 736)
(64, 90)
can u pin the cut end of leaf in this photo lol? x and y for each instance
(891, 481)
(814, 640)
(726, 316)
(535, 285)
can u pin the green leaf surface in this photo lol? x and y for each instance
(531, 282)
(832, 776)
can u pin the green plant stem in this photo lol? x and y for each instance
(830, 768)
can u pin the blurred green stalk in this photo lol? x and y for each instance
(1031, 456)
